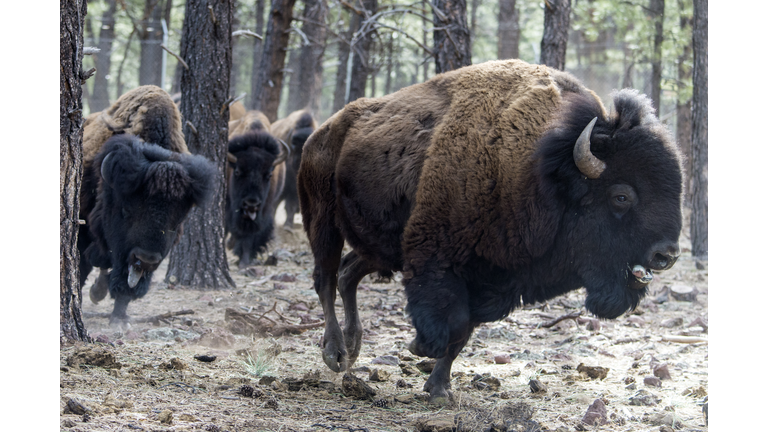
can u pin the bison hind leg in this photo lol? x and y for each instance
(352, 270)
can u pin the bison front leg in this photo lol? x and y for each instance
(438, 303)
(439, 381)
(352, 270)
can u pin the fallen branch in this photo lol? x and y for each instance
(183, 63)
(250, 323)
(572, 315)
(162, 317)
(683, 339)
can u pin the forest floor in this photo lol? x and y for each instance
(150, 375)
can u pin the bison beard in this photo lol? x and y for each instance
(144, 194)
(489, 187)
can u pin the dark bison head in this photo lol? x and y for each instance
(252, 158)
(145, 193)
(622, 189)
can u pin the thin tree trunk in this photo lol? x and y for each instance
(554, 42)
(199, 259)
(71, 20)
(453, 47)
(237, 60)
(100, 96)
(340, 91)
(473, 20)
(508, 46)
(362, 40)
(310, 73)
(684, 76)
(258, 48)
(656, 14)
(151, 37)
(388, 78)
(424, 36)
(700, 211)
(270, 80)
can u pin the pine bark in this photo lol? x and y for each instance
(656, 14)
(700, 201)
(554, 42)
(270, 79)
(340, 91)
(71, 21)
(151, 37)
(684, 120)
(100, 96)
(362, 40)
(199, 259)
(508, 46)
(453, 47)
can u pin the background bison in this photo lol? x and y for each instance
(256, 178)
(294, 130)
(491, 186)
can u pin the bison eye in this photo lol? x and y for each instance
(238, 173)
(622, 198)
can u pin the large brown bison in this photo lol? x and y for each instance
(489, 187)
(294, 130)
(256, 177)
(134, 195)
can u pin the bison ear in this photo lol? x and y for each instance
(202, 172)
(633, 109)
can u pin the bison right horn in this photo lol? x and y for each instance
(588, 164)
(104, 173)
(283, 154)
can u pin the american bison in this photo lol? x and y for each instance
(147, 112)
(144, 193)
(251, 121)
(294, 130)
(255, 181)
(489, 187)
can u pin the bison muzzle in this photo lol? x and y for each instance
(489, 187)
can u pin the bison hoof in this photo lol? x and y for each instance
(99, 290)
(336, 362)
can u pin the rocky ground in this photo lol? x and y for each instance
(249, 359)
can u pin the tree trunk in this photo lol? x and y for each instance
(310, 73)
(557, 22)
(100, 96)
(700, 211)
(151, 37)
(71, 20)
(656, 14)
(362, 38)
(425, 24)
(340, 91)
(453, 48)
(258, 48)
(684, 126)
(270, 79)
(234, 74)
(199, 259)
(508, 46)
(388, 77)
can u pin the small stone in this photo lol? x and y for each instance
(254, 272)
(174, 364)
(300, 306)
(537, 386)
(165, 417)
(205, 358)
(672, 322)
(271, 261)
(501, 359)
(405, 398)
(271, 403)
(433, 423)
(426, 366)
(596, 414)
(652, 381)
(284, 277)
(402, 384)
(629, 380)
(593, 372)
(408, 370)
(354, 387)
(377, 375)
(662, 371)
(386, 360)
(644, 398)
(683, 293)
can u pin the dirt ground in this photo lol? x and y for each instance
(152, 376)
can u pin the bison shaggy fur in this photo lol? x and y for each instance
(294, 130)
(489, 187)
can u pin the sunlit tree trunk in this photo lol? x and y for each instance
(557, 21)
(656, 14)
(684, 76)
(700, 210)
(361, 49)
(452, 44)
(508, 45)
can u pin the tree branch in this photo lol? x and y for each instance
(183, 63)
(247, 33)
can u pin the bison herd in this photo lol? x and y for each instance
(488, 187)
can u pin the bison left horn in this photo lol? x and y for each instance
(283, 155)
(231, 158)
(588, 164)
(103, 172)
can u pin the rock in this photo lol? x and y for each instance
(165, 417)
(386, 360)
(408, 370)
(683, 293)
(698, 392)
(284, 277)
(485, 382)
(188, 418)
(167, 334)
(377, 375)
(445, 423)
(537, 386)
(652, 381)
(426, 366)
(672, 322)
(271, 403)
(593, 372)
(662, 371)
(501, 359)
(402, 384)
(300, 306)
(79, 407)
(354, 387)
(254, 272)
(93, 355)
(205, 358)
(596, 414)
(271, 261)
(668, 419)
(644, 398)
(174, 364)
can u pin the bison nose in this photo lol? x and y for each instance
(251, 202)
(147, 258)
(664, 255)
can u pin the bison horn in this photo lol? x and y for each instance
(103, 172)
(231, 158)
(283, 155)
(588, 164)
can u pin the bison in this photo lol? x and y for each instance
(489, 187)
(294, 130)
(250, 121)
(146, 112)
(144, 194)
(256, 175)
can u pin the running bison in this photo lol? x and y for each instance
(256, 179)
(294, 130)
(144, 194)
(146, 112)
(489, 187)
